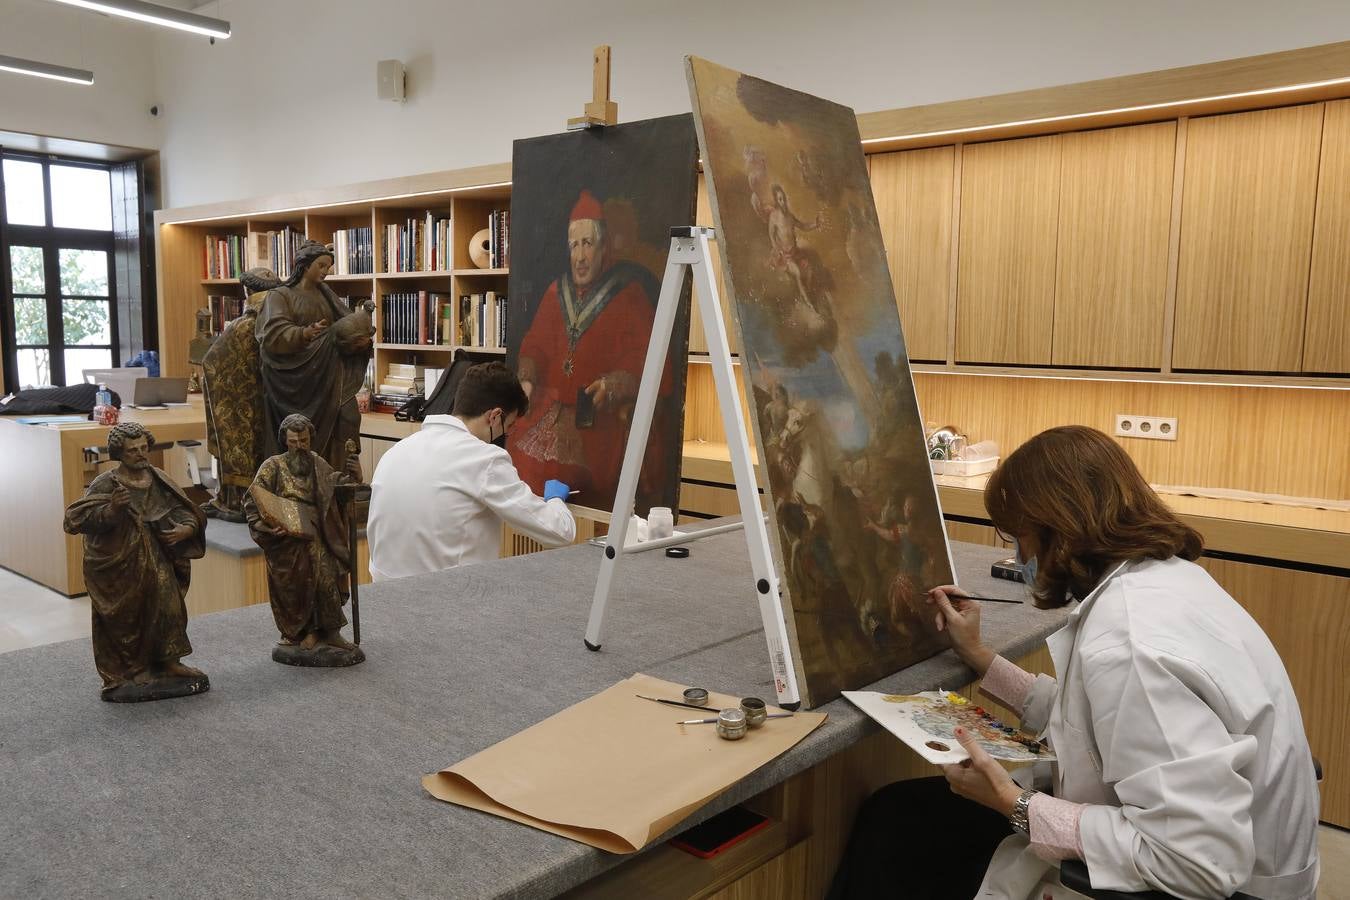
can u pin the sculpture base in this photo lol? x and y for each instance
(323, 656)
(159, 689)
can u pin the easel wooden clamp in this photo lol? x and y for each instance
(601, 111)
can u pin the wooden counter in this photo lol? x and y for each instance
(44, 471)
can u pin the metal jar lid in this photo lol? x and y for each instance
(696, 696)
(731, 724)
(755, 711)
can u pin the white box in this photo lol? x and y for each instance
(964, 467)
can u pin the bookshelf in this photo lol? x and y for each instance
(465, 198)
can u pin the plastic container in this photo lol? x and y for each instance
(104, 411)
(660, 523)
(964, 467)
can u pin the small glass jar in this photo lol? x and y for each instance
(660, 523)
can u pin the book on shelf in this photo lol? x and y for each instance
(482, 320)
(223, 256)
(417, 244)
(412, 317)
(224, 310)
(354, 251)
(275, 250)
(499, 238)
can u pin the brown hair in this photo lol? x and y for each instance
(1086, 503)
(490, 386)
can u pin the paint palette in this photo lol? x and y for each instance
(927, 723)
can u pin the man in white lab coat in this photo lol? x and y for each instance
(440, 496)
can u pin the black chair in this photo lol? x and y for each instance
(1073, 874)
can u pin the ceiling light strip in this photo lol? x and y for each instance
(45, 70)
(1144, 107)
(155, 14)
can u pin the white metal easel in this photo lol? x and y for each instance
(689, 250)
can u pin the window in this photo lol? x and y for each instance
(56, 267)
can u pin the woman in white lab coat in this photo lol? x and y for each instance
(1182, 761)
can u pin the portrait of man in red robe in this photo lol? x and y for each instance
(581, 355)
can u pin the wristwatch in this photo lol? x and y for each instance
(1019, 815)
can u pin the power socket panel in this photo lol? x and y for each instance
(1153, 428)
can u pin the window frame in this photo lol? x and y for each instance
(52, 240)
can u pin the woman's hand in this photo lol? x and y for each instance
(980, 778)
(314, 331)
(959, 616)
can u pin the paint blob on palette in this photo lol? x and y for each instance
(927, 723)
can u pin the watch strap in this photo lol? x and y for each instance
(1021, 812)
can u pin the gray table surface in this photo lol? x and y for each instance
(306, 783)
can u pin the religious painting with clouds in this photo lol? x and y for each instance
(860, 534)
(591, 213)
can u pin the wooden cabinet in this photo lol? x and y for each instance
(1115, 205)
(1326, 337)
(1006, 278)
(1307, 617)
(913, 191)
(1246, 240)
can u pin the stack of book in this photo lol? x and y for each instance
(415, 317)
(499, 238)
(417, 245)
(224, 310)
(354, 251)
(400, 382)
(223, 256)
(482, 321)
(275, 250)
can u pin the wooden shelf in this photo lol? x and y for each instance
(442, 348)
(441, 273)
(220, 281)
(470, 273)
(365, 276)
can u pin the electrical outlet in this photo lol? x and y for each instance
(1154, 428)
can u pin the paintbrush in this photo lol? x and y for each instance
(783, 715)
(671, 702)
(985, 599)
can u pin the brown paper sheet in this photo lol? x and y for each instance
(615, 771)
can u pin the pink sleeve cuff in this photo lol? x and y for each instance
(1007, 683)
(1054, 828)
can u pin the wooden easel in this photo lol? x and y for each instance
(601, 111)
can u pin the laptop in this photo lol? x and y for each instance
(157, 393)
(120, 381)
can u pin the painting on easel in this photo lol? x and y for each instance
(591, 213)
(860, 534)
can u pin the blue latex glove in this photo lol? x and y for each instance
(553, 488)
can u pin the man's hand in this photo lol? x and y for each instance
(980, 778)
(353, 468)
(178, 534)
(555, 489)
(598, 392)
(313, 332)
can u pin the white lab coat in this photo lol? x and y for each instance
(439, 497)
(1174, 718)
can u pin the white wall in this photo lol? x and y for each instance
(289, 101)
(121, 54)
